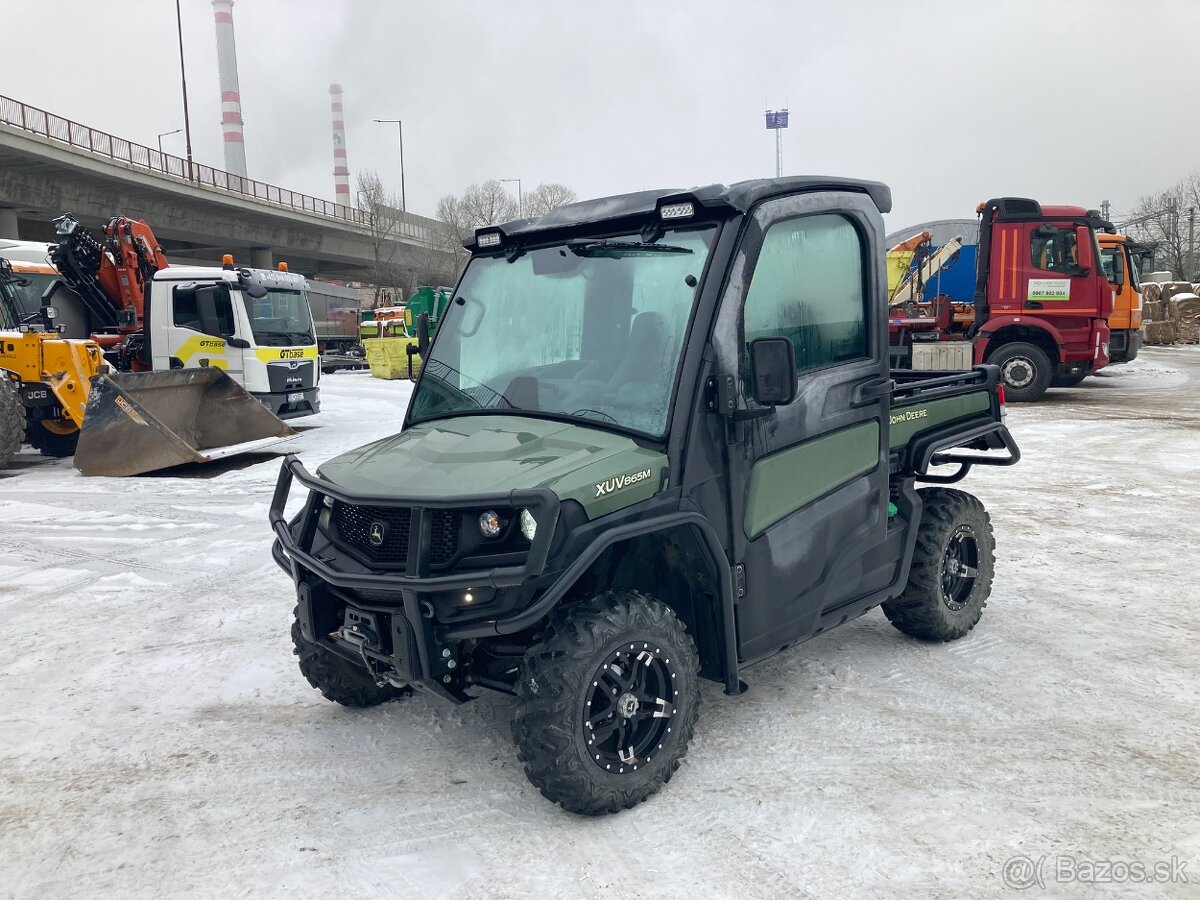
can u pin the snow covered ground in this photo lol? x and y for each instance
(156, 738)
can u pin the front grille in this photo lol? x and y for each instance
(380, 533)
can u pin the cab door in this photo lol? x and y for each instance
(202, 330)
(808, 483)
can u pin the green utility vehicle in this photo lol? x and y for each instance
(694, 457)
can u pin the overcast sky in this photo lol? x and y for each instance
(1069, 101)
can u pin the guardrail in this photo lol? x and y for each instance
(100, 143)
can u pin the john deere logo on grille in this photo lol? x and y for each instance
(377, 533)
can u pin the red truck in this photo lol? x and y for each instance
(1040, 307)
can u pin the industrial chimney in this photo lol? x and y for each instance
(231, 98)
(341, 173)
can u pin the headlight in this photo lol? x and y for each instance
(528, 525)
(489, 524)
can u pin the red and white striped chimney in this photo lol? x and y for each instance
(231, 98)
(341, 172)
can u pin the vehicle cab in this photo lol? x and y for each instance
(255, 324)
(1121, 270)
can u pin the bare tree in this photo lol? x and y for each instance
(546, 197)
(383, 219)
(1167, 220)
(488, 204)
(453, 229)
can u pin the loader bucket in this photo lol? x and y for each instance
(141, 422)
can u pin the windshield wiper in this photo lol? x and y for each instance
(615, 249)
(287, 338)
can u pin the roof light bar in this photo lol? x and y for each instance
(677, 211)
(490, 239)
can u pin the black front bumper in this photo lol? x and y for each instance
(417, 642)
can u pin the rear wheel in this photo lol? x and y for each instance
(12, 421)
(1025, 370)
(1067, 380)
(950, 578)
(338, 679)
(54, 438)
(607, 701)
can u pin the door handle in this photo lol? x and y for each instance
(1034, 304)
(870, 391)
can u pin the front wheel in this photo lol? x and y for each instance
(12, 421)
(950, 578)
(607, 701)
(338, 679)
(54, 438)
(1025, 370)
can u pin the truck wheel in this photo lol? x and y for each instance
(951, 574)
(607, 700)
(337, 679)
(1025, 370)
(1067, 380)
(12, 422)
(54, 438)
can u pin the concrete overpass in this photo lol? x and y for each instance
(50, 165)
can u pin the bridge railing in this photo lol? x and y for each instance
(81, 137)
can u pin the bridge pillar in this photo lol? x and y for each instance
(262, 258)
(8, 223)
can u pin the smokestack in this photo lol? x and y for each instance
(341, 173)
(231, 98)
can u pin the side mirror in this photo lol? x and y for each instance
(1118, 262)
(773, 370)
(251, 284)
(423, 334)
(1083, 249)
(238, 343)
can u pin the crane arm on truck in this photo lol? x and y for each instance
(913, 287)
(113, 274)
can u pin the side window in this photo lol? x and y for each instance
(1053, 249)
(185, 312)
(224, 310)
(808, 286)
(207, 310)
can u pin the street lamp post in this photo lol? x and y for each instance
(187, 125)
(400, 129)
(163, 135)
(520, 198)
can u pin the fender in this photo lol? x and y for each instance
(996, 323)
(544, 604)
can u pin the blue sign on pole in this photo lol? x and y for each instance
(777, 118)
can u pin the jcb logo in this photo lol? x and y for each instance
(291, 354)
(621, 481)
(37, 395)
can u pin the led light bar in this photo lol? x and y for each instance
(491, 239)
(677, 211)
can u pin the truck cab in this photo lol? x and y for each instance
(1121, 270)
(254, 324)
(1041, 300)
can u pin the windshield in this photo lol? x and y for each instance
(591, 329)
(29, 296)
(280, 319)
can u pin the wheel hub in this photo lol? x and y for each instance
(628, 707)
(960, 567)
(1018, 372)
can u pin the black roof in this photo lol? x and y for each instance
(739, 197)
